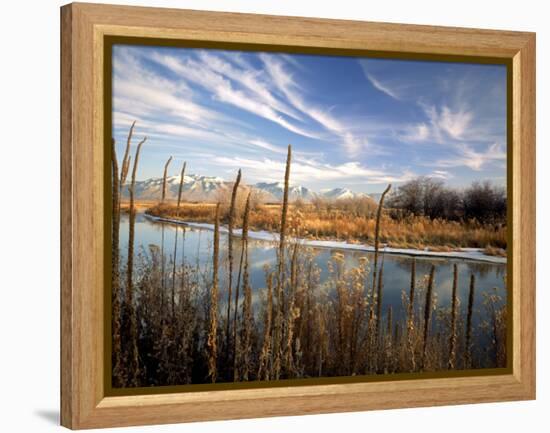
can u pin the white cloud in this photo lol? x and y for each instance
(446, 126)
(307, 172)
(448, 123)
(440, 174)
(141, 93)
(144, 96)
(249, 78)
(202, 74)
(165, 130)
(455, 123)
(165, 110)
(267, 146)
(473, 159)
(293, 92)
(418, 132)
(384, 88)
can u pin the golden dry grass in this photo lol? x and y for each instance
(140, 205)
(409, 232)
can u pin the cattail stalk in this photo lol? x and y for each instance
(133, 361)
(410, 316)
(290, 308)
(247, 320)
(389, 356)
(180, 192)
(176, 240)
(264, 370)
(294, 268)
(379, 300)
(126, 158)
(164, 177)
(468, 348)
(308, 310)
(373, 320)
(281, 271)
(427, 315)
(230, 225)
(376, 242)
(213, 319)
(162, 258)
(454, 306)
(410, 311)
(244, 258)
(180, 189)
(115, 279)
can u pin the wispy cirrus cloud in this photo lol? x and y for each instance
(143, 94)
(461, 111)
(250, 78)
(444, 125)
(293, 92)
(448, 123)
(440, 174)
(253, 98)
(262, 144)
(418, 132)
(473, 159)
(377, 83)
(307, 171)
(166, 109)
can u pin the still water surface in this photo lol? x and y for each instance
(195, 247)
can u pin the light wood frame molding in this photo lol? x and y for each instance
(83, 400)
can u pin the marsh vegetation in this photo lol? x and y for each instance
(194, 307)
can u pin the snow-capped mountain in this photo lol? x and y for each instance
(274, 191)
(340, 194)
(210, 188)
(195, 188)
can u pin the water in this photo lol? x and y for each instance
(197, 249)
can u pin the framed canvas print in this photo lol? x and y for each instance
(272, 216)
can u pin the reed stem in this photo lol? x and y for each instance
(133, 356)
(427, 315)
(376, 246)
(213, 319)
(468, 343)
(454, 306)
(230, 225)
(126, 158)
(265, 354)
(244, 257)
(176, 241)
(115, 271)
(281, 271)
(164, 177)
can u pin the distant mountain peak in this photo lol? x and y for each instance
(341, 193)
(211, 188)
(274, 191)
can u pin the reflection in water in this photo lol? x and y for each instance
(196, 249)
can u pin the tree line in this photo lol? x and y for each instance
(484, 202)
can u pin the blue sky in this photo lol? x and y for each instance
(353, 122)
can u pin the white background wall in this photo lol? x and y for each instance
(29, 216)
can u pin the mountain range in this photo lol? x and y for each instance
(210, 188)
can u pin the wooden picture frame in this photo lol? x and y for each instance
(84, 28)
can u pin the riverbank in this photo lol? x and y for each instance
(475, 254)
(356, 225)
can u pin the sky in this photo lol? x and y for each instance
(357, 123)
